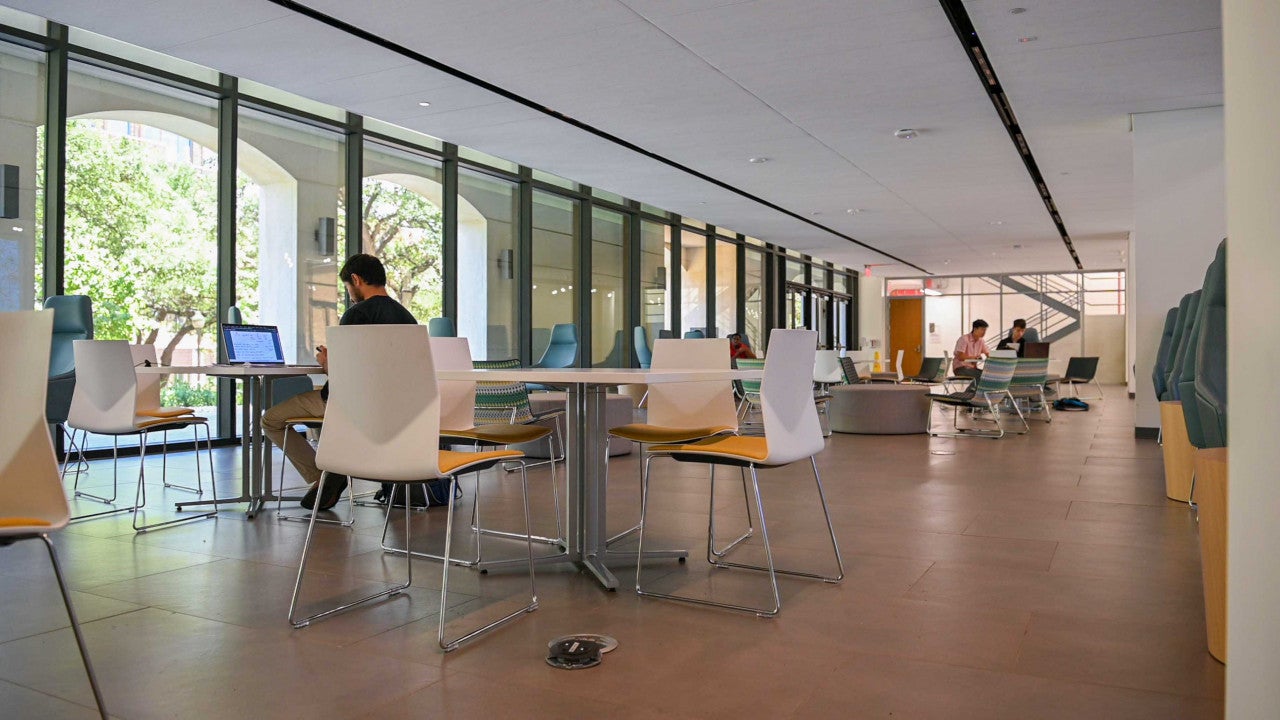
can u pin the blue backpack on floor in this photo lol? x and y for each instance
(1070, 404)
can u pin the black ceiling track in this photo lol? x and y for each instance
(382, 42)
(987, 76)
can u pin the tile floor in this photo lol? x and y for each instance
(1039, 576)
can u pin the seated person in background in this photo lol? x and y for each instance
(365, 279)
(970, 348)
(739, 349)
(1014, 339)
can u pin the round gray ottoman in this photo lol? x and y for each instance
(879, 409)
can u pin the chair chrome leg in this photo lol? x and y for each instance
(302, 566)
(164, 465)
(75, 626)
(454, 644)
(712, 553)
(281, 515)
(82, 465)
(634, 528)
(140, 500)
(1026, 428)
(115, 482)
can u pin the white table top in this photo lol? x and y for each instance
(231, 370)
(599, 376)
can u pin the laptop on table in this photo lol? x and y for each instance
(1036, 350)
(252, 344)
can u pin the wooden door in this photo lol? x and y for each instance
(906, 333)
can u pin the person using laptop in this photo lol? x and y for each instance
(969, 350)
(1014, 340)
(365, 279)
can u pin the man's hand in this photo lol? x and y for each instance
(322, 357)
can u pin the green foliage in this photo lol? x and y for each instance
(403, 228)
(178, 392)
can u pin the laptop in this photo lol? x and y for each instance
(1036, 350)
(252, 344)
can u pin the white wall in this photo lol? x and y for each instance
(872, 311)
(1179, 216)
(1250, 29)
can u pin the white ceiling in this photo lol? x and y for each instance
(817, 86)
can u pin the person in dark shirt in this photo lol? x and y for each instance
(1014, 338)
(365, 279)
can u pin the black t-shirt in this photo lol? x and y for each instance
(374, 310)
(1008, 340)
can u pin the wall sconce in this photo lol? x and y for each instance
(326, 235)
(660, 278)
(9, 192)
(507, 264)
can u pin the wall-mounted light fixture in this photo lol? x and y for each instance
(9, 191)
(660, 278)
(326, 235)
(507, 264)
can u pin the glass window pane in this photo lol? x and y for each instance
(555, 264)
(401, 199)
(141, 222)
(726, 289)
(655, 276)
(405, 134)
(693, 281)
(487, 211)
(608, 230)
(556, 180)
(608, 196)
(290, 228)
(253, 89)
(795, 271)
(467, 153)
(22, 82)
(753, 322)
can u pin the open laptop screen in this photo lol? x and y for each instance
(256, 344)
(1036, 350)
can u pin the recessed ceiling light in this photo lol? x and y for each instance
(1028, 38)
(1017, 11)
(424, 103)
(758, 160)
(856, 211)
(997, 222)
(905, 133)
(816, 212)
(17, 228)
(946, 262)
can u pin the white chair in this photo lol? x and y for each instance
(686, 411)
(826, 368)
(149, 405)
(895, 375)
(791, 433)
(382, 423)
(32, 502)
(106, 402)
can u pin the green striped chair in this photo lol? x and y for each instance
(1028, 384)
(748, 390)
(984, 394)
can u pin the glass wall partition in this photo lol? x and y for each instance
(608, 297)
(22, 133)
(556, 221)
(753, 318)
(141, 222)
(487, 299)
(726, 295)
(655, 277)
(693, 282)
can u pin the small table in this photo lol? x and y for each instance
(585, 456)
(255, 465)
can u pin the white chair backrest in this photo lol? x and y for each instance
(457, 397)
(1004, 353)
(692, 404)
(897, 365)
(106, 396)
(826, 367)
(382, 421)
(148, 385)
(791, 426)
(29, 484)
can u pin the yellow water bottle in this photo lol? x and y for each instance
(875, 367)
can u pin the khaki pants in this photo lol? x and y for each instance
(301, 454)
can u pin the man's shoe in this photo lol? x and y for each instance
(333, 488)
(309, 500)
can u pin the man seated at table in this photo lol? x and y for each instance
(969, 349)
(365, 279)
(739, 349)
(1014, 340)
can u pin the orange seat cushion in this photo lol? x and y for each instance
(642, 433)
(499, 434)
(177, 421)
(23, 522)
(168, 412)
(452, 462)
(754, 449)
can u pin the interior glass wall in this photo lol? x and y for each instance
(141, 222)
(556, 221)
(608, 298)
(22, 103)
(290, 232)
(693, 282)
(655, 277)
(487, 297)
(753, 319)
(726, 297)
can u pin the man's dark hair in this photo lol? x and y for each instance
(735, 335)
(979, 324)
(368, 267)
(1020, 323)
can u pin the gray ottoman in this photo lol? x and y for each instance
(879, 409)
(618, 410)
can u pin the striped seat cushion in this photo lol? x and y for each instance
(1030, 372)
(750, 387)
(501, 402)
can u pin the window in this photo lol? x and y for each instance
(555, 243)
(22, 97)
(693, 282)
(753, 319)
(608, 231)
(655, 277)
(487, 265)
(726, 289)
